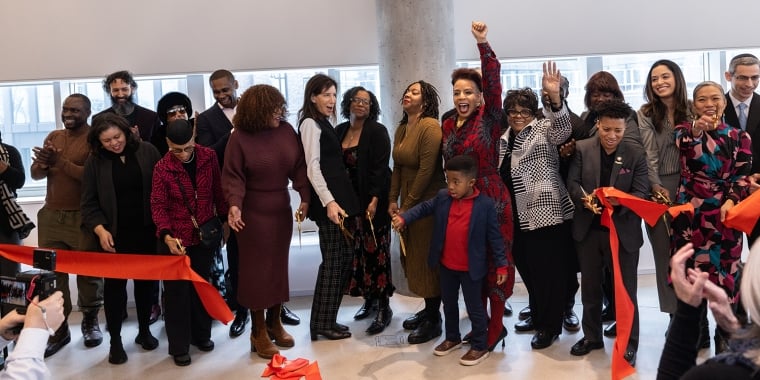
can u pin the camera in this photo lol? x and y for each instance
(17, 292)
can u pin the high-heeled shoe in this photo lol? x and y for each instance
(331, 334)
(501, 337)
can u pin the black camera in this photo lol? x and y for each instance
(17, 292)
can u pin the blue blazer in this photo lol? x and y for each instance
(484, 232)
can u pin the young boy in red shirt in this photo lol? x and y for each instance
(465, 231)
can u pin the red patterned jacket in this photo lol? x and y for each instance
(168, 208)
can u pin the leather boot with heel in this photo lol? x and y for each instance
(383, 318)
(260, 342)
(275, 330)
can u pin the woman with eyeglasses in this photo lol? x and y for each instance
(334, 206)
(262, 156)
(187, 191)
(366, 153)
(116, 218)
(473, 128)
(531, 170)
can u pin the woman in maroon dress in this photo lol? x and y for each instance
(262, 155)
(474, 129)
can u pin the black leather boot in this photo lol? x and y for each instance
(383, 318)
(91, 329)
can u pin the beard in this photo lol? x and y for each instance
(125, 108)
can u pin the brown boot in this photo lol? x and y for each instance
(276, 330)
(260, 342)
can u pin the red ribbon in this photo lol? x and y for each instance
(130, 266)
(744, 216)
(650, 212)
(280, 368)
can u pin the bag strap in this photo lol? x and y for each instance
(187, 204)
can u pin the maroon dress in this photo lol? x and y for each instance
(257, 167)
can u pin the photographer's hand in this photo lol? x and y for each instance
(7, 324)
(46, 314)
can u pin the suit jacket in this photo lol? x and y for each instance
(373, 172)
(753, 125)
(213, 130)
(629, 174)
(483, 233)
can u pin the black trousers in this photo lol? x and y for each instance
(186, 319)
(233, 263)
(542, 257)
(115, 304)
(594, 254)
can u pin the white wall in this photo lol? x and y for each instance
(51, 39)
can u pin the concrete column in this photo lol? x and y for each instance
(416, 42)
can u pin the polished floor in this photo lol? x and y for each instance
(386, 356)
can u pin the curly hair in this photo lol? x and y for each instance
(523, 97)
(655, 108)
(430, 100)
(256, 107)
(124, 75)
(467, 74)
(464, 164)
(105, 121)
(602, 81)
(614, 109)
(345, 104)
(315, 86)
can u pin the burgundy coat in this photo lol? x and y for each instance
(167, 206)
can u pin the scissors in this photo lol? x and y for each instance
(589, 199)
(299, 219)
(372, 227)
(348, 235)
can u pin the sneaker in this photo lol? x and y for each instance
(473, 357)
(446, 347)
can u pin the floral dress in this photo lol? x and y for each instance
(714, 168)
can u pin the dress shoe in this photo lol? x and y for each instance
(205, 346)
(182, 360)
(382, 320)
(61, 338)
(414, 321)
(611, 330)
(542, 339)
(524, 325)
(507, 309)
(116, 354)
(473, 357)
(584, 346)
(331, 334)
(427, 331)
(288, 317)
(238, 325)
(524, 313)
(608, 314)
(570, 321)
(501, 337)
(369, 306)
(91, 329)
(340, 327)
(147, 341)
(630, 356)
(155, 312)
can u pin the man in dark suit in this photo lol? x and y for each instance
(121, 87)
(743, 107)
(602, 162)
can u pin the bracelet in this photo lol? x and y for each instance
(44, 318)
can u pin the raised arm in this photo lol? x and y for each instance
(490, 68)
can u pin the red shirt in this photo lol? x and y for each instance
(455, 245)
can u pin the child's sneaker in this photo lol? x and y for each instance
(446, 347)
(473, 357)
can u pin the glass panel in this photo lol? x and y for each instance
(145, 94)
(21, 96)
(45, 104)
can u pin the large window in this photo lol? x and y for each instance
(29, 111)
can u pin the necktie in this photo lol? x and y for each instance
(743, 116)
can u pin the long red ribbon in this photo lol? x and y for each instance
(129, 266)
(744, 216)
(650, 212)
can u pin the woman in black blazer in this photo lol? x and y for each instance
(366, 152)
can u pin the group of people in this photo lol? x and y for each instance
(491, 187)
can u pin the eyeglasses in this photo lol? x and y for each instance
(176, 110)
(525, 113)
(280, 112)
(187, 149)
(360, 101)
(744, 78)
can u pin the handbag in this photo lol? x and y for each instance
(210, 231)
